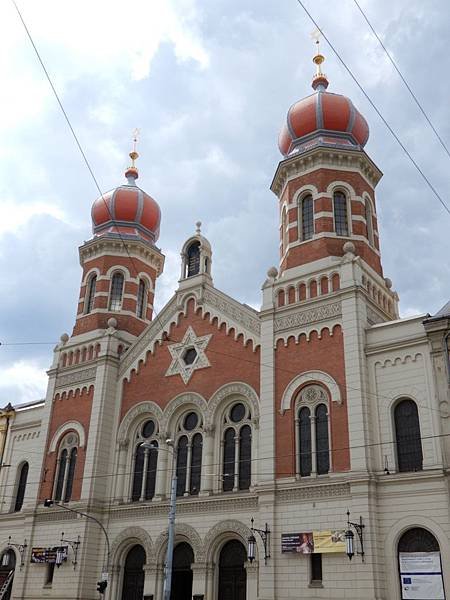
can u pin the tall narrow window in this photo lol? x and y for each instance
(369, 222)
(196, 464)
(237, 448)
(304, 424)
(91, 294)
(182, 456)
(316, 570)
(245, 457)
(193, 259)
(407, 435)
(138, 473)
(322, 445)
(115, 300)
(145, 462)
(189, 454)
(21, 487)
(140, 310)
(70, 474)
(61, 475)
(65, 471)
(307, 217)
(340, 213)
(228, 460)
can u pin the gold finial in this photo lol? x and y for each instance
(134, 154)
(319, 78)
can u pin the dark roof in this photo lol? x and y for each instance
(443, 313)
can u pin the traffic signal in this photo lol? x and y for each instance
(101, 586)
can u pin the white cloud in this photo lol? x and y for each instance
(16, 215)
(27, 378)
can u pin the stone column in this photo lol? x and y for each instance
(150, 576)
(252, 580)
(121, 471)
(114, 583)
(162, 475)
(206, 486)
(199, 571)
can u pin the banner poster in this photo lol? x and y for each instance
(48, 555)
(318, 542)
(421, 576)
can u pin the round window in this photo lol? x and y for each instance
(189, 356)
(237, 413)
(190, 421)
(148, 429)
(70, 440)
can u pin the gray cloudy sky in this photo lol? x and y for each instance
(208, 83)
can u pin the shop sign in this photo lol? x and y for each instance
(49, 555)
(317, 542)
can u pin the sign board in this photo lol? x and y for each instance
(48, 555)
(317, 542)
(421, 576)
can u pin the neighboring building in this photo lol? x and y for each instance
(321, 402)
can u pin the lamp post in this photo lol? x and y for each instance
(48, 503)
(167, 588)
(350, 536)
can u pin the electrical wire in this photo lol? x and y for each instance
(369, 99)
(77, 141)
(276, 457)
(394, 64)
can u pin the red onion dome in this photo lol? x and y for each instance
(127, 211)
(322, 119)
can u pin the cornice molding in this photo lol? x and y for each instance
(321, 158)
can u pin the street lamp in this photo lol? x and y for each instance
(350, 536)
(172, 511)
(104, 581)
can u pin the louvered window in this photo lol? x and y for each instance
(140, 310)
(91, 294)
(340, 213)
(307, 219)
(115, 300)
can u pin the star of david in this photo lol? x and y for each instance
(188, 355)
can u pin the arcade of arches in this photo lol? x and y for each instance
(224, 579)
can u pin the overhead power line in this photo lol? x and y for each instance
(394, 64)
(369, 99)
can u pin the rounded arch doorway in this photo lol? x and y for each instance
(133, 577)
(183, 557)
(7, 568)
(232, 573)
(419, 564)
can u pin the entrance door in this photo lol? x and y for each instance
(9, 558)
(183, 557)
(133, 578)
(232, 574)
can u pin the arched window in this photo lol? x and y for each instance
(369, 221)
(340, 213)
(142, 292)
(193, 259)
(145, 462)
(237, 448)
(189, 455)
(134, 574)
(313, 440)
(90, 296)
(306, 217)
(65, 468)
(419, 540)
(115, 298)
(21, 485)
(407, 436)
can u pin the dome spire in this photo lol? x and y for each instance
(132, 173)
(320, 81)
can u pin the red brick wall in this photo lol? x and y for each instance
(327, 355)
(71, 407)
(230, 361)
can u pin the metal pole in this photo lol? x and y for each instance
(171, 531)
